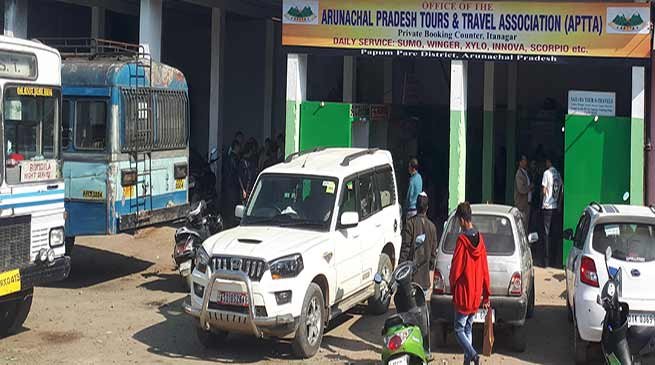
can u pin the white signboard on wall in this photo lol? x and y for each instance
(602, 104)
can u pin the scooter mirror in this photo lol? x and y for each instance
(377, 279)
(598, 300)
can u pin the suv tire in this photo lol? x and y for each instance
(439, 334)
(579, 346)
(531, 300)
(311, 324)
(210, 339)
(519, 342)
(376, 304)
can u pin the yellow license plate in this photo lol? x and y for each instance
(9, 282)
(179, 184)
(128, 191)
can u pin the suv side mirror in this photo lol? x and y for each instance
(349, 220)
(568, 234)
(238, 211)
(533, 237)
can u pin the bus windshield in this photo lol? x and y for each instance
(31, 117)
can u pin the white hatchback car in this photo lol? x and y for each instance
(316, 230)
(630, 231)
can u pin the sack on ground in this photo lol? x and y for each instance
(488, 344)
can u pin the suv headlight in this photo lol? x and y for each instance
(56, 237)
(286, 267)
(202, 260)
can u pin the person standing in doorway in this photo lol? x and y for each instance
(523, 191)
(414, 189)
(551, 187)
(469, 281)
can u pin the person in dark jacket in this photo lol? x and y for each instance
(420, 243)
(469, 281)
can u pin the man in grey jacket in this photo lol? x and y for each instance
(523, 191)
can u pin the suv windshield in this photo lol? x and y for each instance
(292, 201)
(31, 117)
(634, 242)
(496, 231)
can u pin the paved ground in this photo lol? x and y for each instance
(122, 304)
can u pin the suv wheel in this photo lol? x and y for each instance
(531, 299)
(210, 338)
(377, 304)
(310, 329)
(519, 339)
(579, 346)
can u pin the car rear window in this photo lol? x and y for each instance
(633, 242)
(496, 231)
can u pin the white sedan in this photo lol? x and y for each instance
(630, 231)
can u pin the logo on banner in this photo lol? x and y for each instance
(301, 12)
(628, 20)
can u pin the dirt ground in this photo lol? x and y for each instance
(123, 304)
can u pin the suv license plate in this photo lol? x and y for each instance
(481, 315)
(232, 298)
(404, 360)
(641, 320)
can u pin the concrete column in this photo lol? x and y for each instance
(216, 138)
(458, 105)
(97, 22)
(388, 80)
(488, 134)
(296, 94)
(150, 15)
(349, 79)
(16, 18)
(510, 131)
(268, 79)
(637, 136)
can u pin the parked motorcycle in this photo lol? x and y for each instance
(200, 224)
(202, 179)
(614, 340)
(407, 333)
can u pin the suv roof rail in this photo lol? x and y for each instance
(596, 206)
(346, 160)
(301, 153)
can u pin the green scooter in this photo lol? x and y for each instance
(406, 334)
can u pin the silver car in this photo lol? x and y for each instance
(510, 271)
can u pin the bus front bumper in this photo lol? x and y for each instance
(152, 217)
(41, 273)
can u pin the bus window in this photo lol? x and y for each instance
(31, 118)
(66, 128)
(90, 125)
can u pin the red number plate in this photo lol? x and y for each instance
(232, 298)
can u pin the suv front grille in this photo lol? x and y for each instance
(254, 268)
(15, 240)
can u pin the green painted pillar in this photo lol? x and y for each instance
(458, 105)
(637, 136)
(489, 105)
(510, 131)
(296, 94)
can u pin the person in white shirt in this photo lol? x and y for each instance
(551, 186)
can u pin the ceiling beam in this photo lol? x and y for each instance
(117, 6)
(256, 9)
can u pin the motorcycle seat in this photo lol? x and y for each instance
(398, 319)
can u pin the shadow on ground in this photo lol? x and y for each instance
(91, 266)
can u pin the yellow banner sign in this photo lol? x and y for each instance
(33, 91)
(452, 28)
(9, 282)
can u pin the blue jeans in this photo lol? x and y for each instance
(464, 335)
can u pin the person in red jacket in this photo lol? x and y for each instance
(469, 281)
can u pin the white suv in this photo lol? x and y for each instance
(630, 231)
(316, 229)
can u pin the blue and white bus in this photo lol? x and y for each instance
(32, 213)
(125, 139)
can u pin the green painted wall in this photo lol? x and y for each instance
(329, 125)
(596, 165)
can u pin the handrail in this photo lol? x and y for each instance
(95, 47)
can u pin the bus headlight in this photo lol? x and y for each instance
(56, 237)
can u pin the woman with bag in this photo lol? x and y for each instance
(469, 281)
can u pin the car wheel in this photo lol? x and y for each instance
(377, 304)
(69, 243)
(210, 339)
(14, 313)
(519, 342)
(531, 300)
(439, 334)
(569, 310)
(311, 324)
(579, 346)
